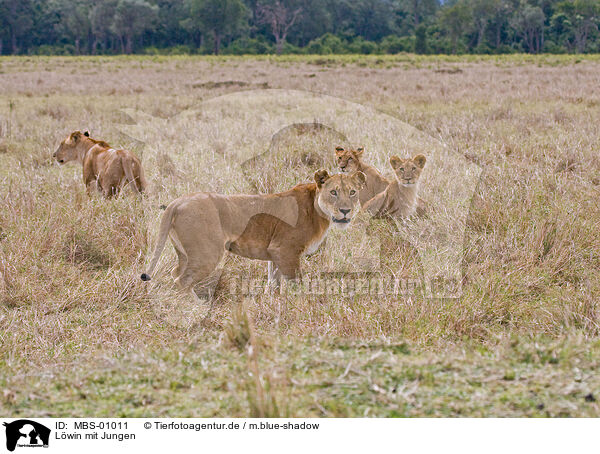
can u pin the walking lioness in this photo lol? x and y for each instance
(104, 167)
(279, 228)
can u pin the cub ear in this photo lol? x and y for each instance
(75, 136)
(360, 151)
(395, 161)
(339, 151)
(420, 160)
(360, 179)
(86, 133)
(321, 176)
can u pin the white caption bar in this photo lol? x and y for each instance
(94, 435)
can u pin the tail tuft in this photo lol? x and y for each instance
(145, 277)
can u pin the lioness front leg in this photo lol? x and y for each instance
(288, 268)
(273, 275)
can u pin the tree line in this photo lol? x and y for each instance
(76, 27)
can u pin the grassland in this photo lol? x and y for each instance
(81, 335)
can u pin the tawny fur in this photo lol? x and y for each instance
(352, 161)
(105, 168)
(399, 200)
(279, 228)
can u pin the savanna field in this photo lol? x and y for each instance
(82, 335)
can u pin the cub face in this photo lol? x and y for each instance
(408, 171)
(348, 160)
(337, 195)
(69, 147)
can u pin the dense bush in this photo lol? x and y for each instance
(70, 27)
(395, 44)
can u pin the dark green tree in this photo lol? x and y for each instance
(528, 23)
(315, 20)
(280, 17)
(499, 20)
(131, 19)
(74, 20)
(169, 30)
(456, 20)
(482, 11)
(421, 39)
(101, 18)
(4, 35)
(373, 19)
(582, 17)
(419, 10)
(17, 19)
(219, 17)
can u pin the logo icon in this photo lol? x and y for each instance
(26, 433)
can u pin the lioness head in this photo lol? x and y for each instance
(408, 170)
(69, 148)
(347, 160)
(337, 195)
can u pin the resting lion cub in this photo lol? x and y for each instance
(279, 228)
(351, 161)
(103, 166)
(399, 200)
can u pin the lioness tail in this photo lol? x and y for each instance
(163, 233)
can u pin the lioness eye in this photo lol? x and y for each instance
(333, 192)
(339, 158)
(414, 168)
(352, 192)
(349, 159)
(401, 169)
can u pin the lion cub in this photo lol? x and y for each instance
(399, 200)
(350, 161)
(103, 166)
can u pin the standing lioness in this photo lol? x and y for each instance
(103, 166)
(279, 228)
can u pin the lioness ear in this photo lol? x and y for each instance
(321, 176)
(360, 151)
(420, 160)
(360, 179)
(395, 161)
(86, 133)
(339, 151)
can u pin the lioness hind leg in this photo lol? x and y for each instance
(91, 187)
(203, 245)
(196, 272)
(182, 258)
(111, 191)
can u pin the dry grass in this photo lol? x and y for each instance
(521, 340)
